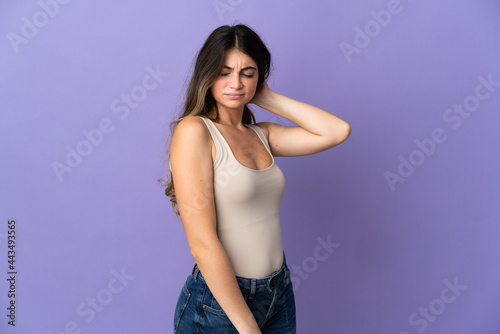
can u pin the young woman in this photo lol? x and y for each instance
(228, 187)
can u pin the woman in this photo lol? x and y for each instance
(228, 187)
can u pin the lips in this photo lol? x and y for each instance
(234, 96)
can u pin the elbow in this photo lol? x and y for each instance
(347, 132)
(204, 247)
(197, 251)
(197, 254)
(341, 134)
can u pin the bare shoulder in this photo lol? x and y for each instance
(193, 123)
(271, 129)
(192, 129)
(190, 134)
(265, 126)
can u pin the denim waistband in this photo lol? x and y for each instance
(257, 284)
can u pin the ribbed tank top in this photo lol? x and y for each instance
(247, 204)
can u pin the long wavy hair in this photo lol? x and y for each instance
(208, 66)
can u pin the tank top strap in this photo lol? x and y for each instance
(219, 141)
(213, 130)
(260, 132)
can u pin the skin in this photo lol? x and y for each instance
(318, 130)
(239, 76)
(192, 156)
(233, 89)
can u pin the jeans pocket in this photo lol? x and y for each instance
(182, 303)
(213, 305)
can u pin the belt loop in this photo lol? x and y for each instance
(253, 288)
(195, 271)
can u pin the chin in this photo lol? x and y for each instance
(235, 104)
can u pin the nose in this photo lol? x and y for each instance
(235, 81)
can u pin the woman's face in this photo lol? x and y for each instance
(237, 82)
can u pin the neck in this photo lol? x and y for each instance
(230, 117)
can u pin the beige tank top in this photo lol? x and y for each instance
(247, 203)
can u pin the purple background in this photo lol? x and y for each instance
(398, 245)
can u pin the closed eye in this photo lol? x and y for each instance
(245, 75)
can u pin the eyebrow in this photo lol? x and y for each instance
(243, 69)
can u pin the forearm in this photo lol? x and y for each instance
(310, 118)
(219, 275)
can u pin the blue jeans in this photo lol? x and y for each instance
(271, 300)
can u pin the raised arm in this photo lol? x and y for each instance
(318, 130)
(192, 173)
